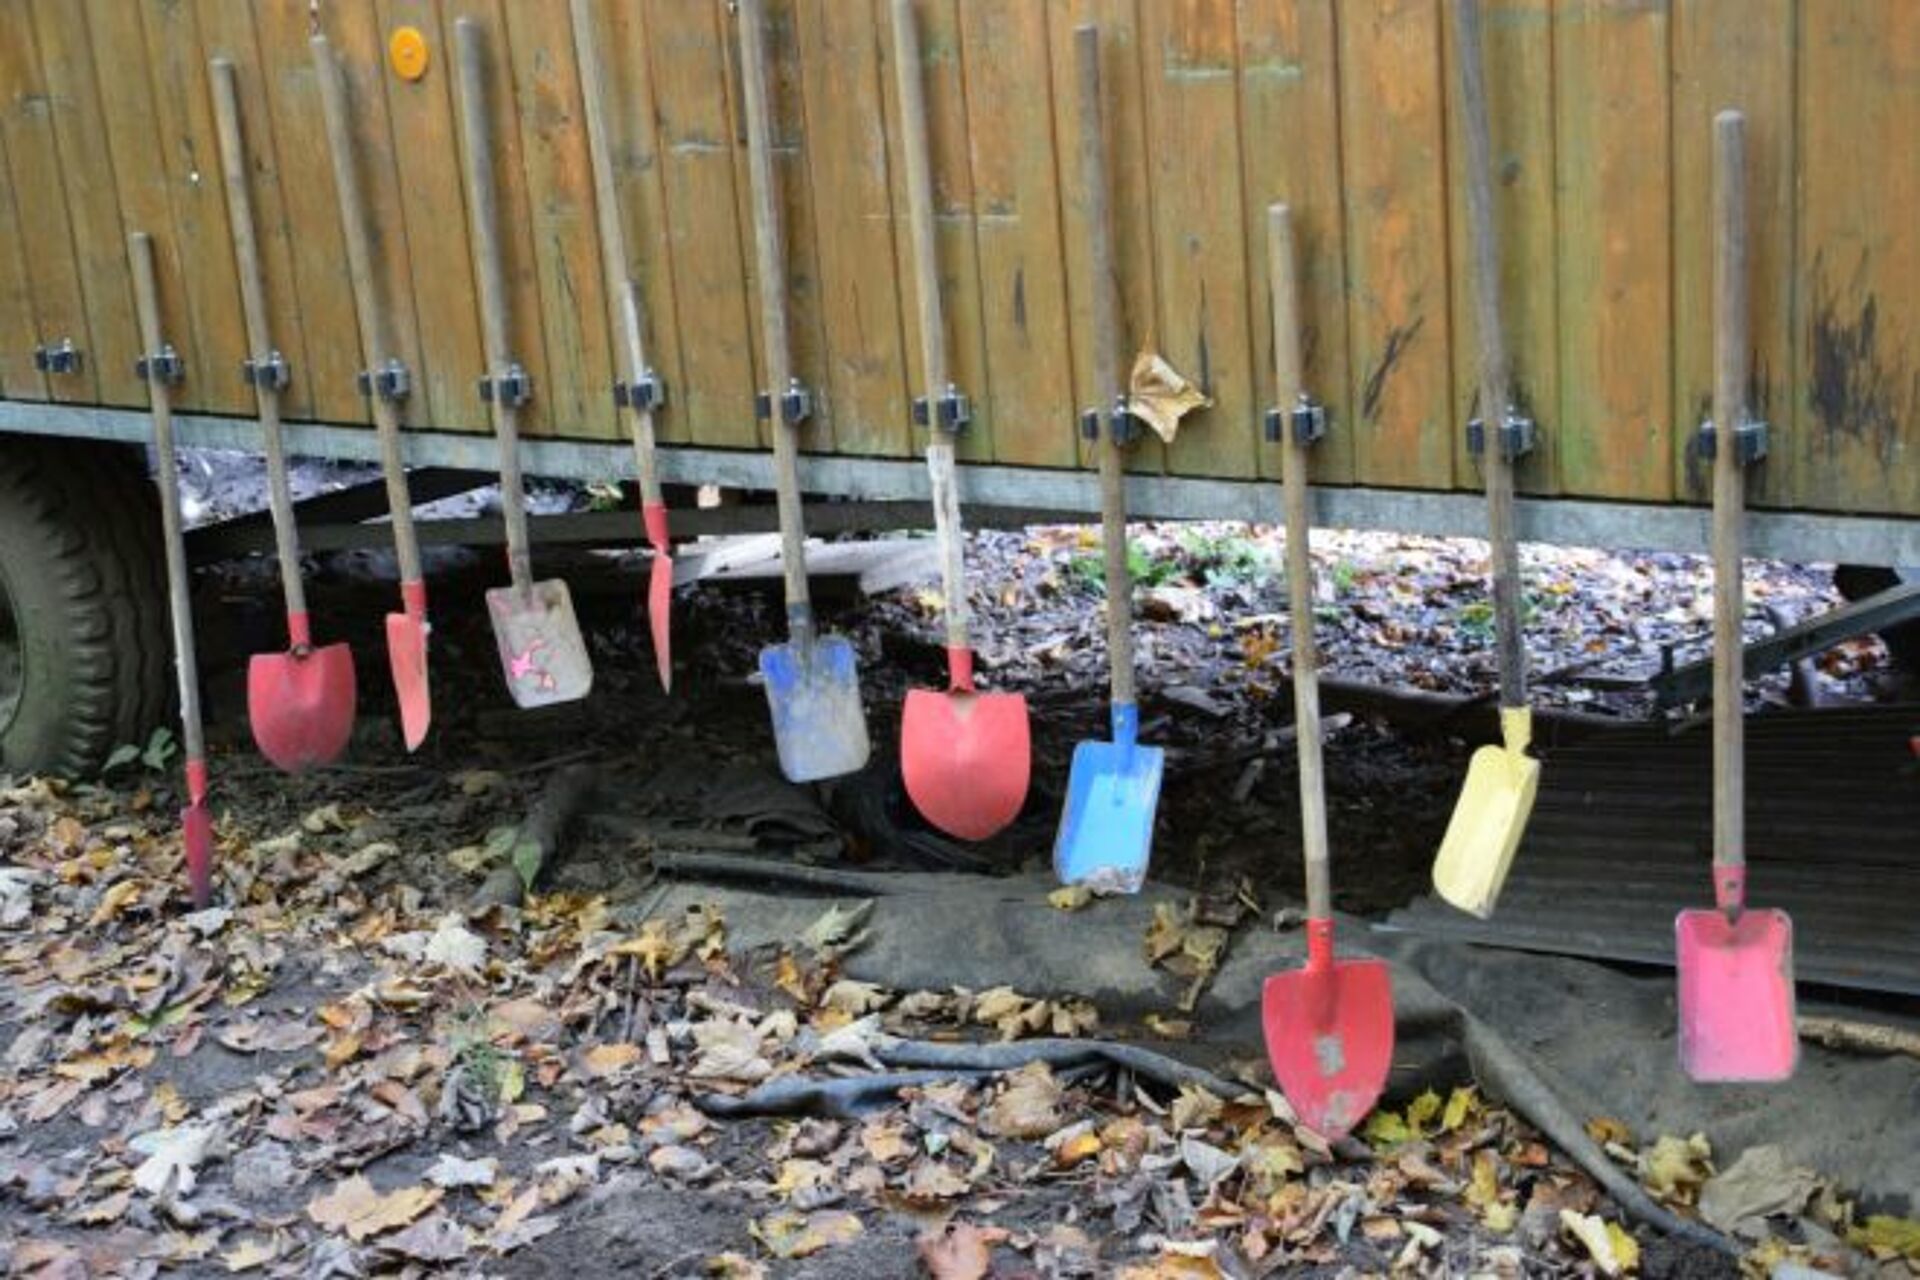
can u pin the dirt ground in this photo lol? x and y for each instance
(343, 1070)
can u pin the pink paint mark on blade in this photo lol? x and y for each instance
(527, 664)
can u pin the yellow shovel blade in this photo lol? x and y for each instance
(1489, 820)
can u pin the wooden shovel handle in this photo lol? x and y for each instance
(483, 213)
(622, 296)
(908, 76)
(770, 257)
(375, 345)
(1283, 276)
(1730, 362)
(1091, 118)
(1496, 377)
(146, 304)
(253, 308)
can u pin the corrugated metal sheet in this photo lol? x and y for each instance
(1622, 834)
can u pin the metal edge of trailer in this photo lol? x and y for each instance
(1784, 535)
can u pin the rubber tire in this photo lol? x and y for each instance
(81, 566)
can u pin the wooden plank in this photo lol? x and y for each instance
(957, 255)
(86, 169)
(1130, 201)
(131, 134)
(1398, 327)
(1017, 204)
(1290, 150)
(521, 259)
(806, 331)
(1857, 338)
(1733, 53)
(845, 154)
(360, 46)
(572, 295)
(226, 27)
(308, 217)
(1518, 53)
(639, 187)
(1611, 154)
(429, 225)
(53, 269)
(19, 379)
(184, 113)
(687, 60)
(1201, 269)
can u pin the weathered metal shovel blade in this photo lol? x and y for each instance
(301, 705)
(819, 726)
(407, 660)
(542, 653)
(967, 758)
(1486, 827)
(1106, 829)
(660, 616)
(1736, 996)
(196, 840)
(1329, 1034)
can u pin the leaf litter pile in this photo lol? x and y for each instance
(333, 1075)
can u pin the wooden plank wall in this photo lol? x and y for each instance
(1347, 109)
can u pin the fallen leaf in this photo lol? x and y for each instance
(931, 1181)
(961, 1251)
(256, 1251)
(854, 998)
(839, 930)
(450, 1172)
(115, 901)
(1887, 1236)
(1028, 1106)
(1675, 1167)
(433, 1239)
(1194, 1108)
(1613, 1251)
(1069, 898)
(356, 1208)
(1757, 1186)
(455, 947)
(795, 1235)
(173, 1156)
(605, 1060)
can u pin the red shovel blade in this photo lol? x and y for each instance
(1329, 1033)
(966, 757)
(301, 705)
(196, 835)
(660, 618)
(660, 592)
(407, 660)
(1736, 996)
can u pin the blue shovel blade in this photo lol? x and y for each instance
(819, 725)
(1106, 829)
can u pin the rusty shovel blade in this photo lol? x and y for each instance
(1329, 1034)
(542, 653)
(1736, 996)
(301, 705)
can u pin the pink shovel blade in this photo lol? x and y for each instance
(301, 705)
(1736, 996)
(1329, 1033)
(966, 758)
(660, 616)
(407, 659)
